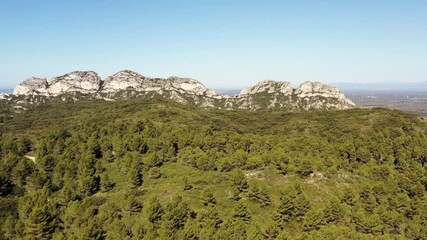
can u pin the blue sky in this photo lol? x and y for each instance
(222, 43)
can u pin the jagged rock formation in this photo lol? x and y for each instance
(268, 86)
(129, 79)
(77, 81)
(129, 84)
(123, 80)
(32, 85)
(280, 95)
(319, 90)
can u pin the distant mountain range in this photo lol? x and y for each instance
(126, 84)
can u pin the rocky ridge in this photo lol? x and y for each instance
(32, 85)
(77, 81)
(127, 84)
(268, 86)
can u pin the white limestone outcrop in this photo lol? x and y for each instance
(77, 81)
(313, 89)
(126, 84)
(268, 86)
(129, 79)
(123, 80)
(32, 85)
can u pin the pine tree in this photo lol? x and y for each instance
(68, 193)
(191, 231)
(24, 144)
(133, 205)
(239, 181)
(174, 218)
(48, 163)
(39, 223)
(106, 183)
(89, 184)
(302, 204)
(259, 194)
(333, 212)
(154, 210)
(313, 220)
(272, 231)
(241, 213)
(235, 194)
(208, 198)
(209, 223)
(135, 177)
(5, 185)
(304, 167)
(9, 231)
(187, 185)
(285, 209)
(37, 215)
(254, 232)
(138, 230)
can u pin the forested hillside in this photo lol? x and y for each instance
(156, 169)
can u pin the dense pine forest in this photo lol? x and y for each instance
(156, 169)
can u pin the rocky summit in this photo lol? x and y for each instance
(33, 85)
(268, 94)
(271, 94)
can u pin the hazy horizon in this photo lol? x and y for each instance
(223, 44)
(343, 86)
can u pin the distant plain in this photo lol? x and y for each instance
(405, 100)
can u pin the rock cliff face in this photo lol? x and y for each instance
(280, 95)
(126, 84)
(33, 85)
(268, 86)
(123, 80)
(319, 90)
(187, 85)
(132, 80)
(77, 81)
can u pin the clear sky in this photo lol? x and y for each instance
(222, 43)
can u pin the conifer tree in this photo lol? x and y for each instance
(285, 209)
(259, 194)
(334, 211)
(5, 185)
(241, 213)
(302, 204)
(174, 218)
(239, 181)
(106, 183)
(37, 215)
(187, 185)
(39, 223)
(154, 210)
(208, 198)
(313, 220)
(133, 205)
